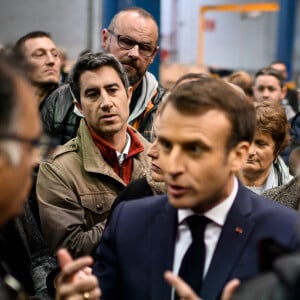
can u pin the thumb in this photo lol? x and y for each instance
(230, 288)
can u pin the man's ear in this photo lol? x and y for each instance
(154, 54)
(239, 155)
(104, 39)
(129, 93)
(78, 105)
(284, 91)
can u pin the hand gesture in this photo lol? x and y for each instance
(185, 292)
(76, 281)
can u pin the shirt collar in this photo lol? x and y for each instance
(216, 214)
(124, 154)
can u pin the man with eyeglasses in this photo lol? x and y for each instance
(39, 56)
(23, 252)
(132, 37)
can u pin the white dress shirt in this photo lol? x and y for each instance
(124, 154)
(217, 215)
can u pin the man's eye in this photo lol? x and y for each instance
(38, 54)
(113, 90)
(194, 148)
(92, 95)
(55, 54)
(144, 47)
(260, 143)
(127, 42)
(165, 145)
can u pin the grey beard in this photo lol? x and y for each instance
(134, 79)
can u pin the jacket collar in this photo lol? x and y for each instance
(230, 245)
(93, 160)
(164, 228)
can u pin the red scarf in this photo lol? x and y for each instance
(110, 156)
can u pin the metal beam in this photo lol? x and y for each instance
(247, 7)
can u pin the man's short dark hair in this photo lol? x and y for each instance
(201, 96)
(279, 62)
(271, 72)
(189, 77)
(19, 45)
(93, 61)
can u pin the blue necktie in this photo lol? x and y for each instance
(192, 265)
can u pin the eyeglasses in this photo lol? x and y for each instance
(44, 144)
(128, 43)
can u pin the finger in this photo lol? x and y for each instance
(183, 290)
(87, 270)
(71, 269)
(229, 289)
(77, 265)
(63, 257)
(95, 294)
(75, 290)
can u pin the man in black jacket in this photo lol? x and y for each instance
(39, 56)
(291, 94)
(136, 50)
(24, 255)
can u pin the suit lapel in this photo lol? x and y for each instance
(164, 230)
(233, 240)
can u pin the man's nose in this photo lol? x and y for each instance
(134, 51)
(252, 150)
(266, 93)
(51, 58)
(174, 163)
(105, 101)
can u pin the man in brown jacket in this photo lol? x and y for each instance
(77, 187)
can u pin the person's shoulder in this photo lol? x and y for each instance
(62, 93)
(141, 212)
(160, 95)
(287, 194)
(273, 210)
(262, 206)
(292, 91)
(149, 205)
(62, 151)
(160, 90)
(146, 144)
(138, 188)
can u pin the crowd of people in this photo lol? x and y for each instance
(113, 187)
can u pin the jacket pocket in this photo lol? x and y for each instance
(97, 203)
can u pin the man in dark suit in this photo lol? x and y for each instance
(204, 137)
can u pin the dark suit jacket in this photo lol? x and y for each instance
(138, 245)
(292, 96)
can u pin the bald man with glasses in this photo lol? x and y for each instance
(132, 37)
